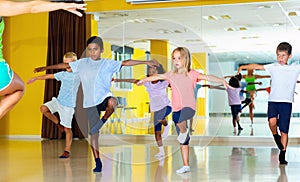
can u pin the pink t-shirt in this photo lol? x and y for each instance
(183, 89)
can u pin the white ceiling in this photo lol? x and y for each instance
(267, 24)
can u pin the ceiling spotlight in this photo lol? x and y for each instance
(292, 13)
(193, 40)
(230, 29)
(225, 17)
(264, 7)
(211, 17)
(243, 28)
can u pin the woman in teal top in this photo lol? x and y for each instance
(11, 85)
(251, 90)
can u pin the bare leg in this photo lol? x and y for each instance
(158, 138)
(185, 150)
(182, 126)
(185, 157)
(69, 136)
(251, 106)
(95, 145)
(46, 112)
(191, 124)
(284, 140)
(11, 95)
(111, 105)
(273, 125)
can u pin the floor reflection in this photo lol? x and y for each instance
(214, 126)
(131, 157)
(38, 161)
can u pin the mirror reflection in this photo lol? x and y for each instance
(220, 38)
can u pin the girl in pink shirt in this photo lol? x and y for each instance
(182, 81)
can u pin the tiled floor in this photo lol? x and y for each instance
(216, 154)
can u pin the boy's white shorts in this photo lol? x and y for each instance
(65, 113)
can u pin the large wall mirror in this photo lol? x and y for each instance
(228, 35)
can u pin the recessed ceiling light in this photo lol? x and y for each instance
(164, 31)
(250, 37)
(193, 40)
(225, 17)
(230, 29)
(278, 24)
(141, 41)
(120, 14)
(243, 28)
(140, 20)
(292, 13)
(211, 17)
(264, 7)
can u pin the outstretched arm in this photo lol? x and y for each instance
(137, 62)
(260, 89)
(217, 87)
(212, 78)
(253, 83)
(262, 76)
(126, 80)
(151, 78)
(12, 8)
(250, 67)
(56, 66)
(42, 77)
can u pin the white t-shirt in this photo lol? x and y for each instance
(95, 77)
(284, 78)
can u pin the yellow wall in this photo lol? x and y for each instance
(199, 61)
(25, 45)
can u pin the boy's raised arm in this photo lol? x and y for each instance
(151, 63)
(42, 77)
(56, 66)
(126, 80)
(251, 67)
(151, 78)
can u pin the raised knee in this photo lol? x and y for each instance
(44, 109)
(112, 103)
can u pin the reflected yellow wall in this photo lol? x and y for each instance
(199, 61)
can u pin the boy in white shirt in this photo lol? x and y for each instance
(284, 78)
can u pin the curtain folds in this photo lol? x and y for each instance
(66, 32)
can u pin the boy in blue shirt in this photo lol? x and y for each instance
(65, 102)
(96, 75)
